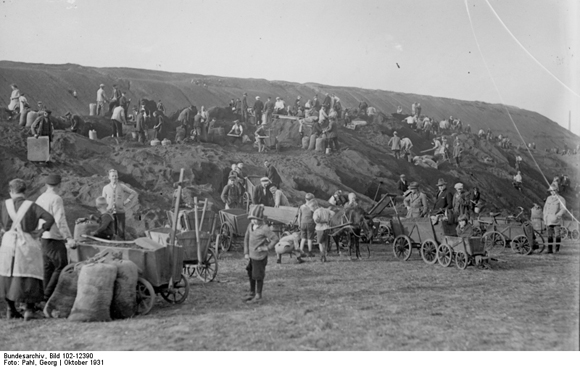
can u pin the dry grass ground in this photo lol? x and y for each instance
(525, 303)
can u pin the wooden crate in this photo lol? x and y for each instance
(38, 149)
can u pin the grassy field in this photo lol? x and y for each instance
(524, 303)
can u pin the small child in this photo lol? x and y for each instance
(258, 240)
(464, 229)
(106, 222)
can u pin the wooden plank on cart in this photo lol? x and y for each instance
(38, 149)
(283, 214)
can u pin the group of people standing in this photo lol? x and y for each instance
(35, 238)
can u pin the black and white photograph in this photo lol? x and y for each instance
(303, 177)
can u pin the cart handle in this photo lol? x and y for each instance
(103, 240)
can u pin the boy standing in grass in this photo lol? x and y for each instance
(258, 240)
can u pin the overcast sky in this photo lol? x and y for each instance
(417, 46)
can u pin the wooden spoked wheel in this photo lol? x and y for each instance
(145, 296)
(226, 237)
(494, 243)
(385, 235)
(564, 233)
(429, 251)
(521, 245)
(179, 292)
(461, 260)
(444, 255)
(575, 234)
(539, 243)
(402, 247)
(207, 269)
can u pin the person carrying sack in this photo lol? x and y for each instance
(21, 267)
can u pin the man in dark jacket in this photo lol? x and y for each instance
(403, 185)
(140, 126)
(262, 194)
(327, 102)
(74, 120)
(42, 126)
(258, 108)
(244, 108)
(232, 193)
(272, 174)
(444, 198)
(115, 98)
(269, 107)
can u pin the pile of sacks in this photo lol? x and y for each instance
(99, 289)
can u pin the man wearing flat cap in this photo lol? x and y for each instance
(554, 208)
(232, 193)
(258, 108)
(262, 194)
(42, 126)
(101, 99)
(55, 241)
(444, 198)
(416, 202)
(74, 120)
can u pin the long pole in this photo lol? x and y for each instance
(197, 230)
(174, 227)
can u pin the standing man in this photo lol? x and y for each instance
(245, 108)
(262, 194)
(272, 174)
(403, 185)
(332, 134)
(124, 102)
(269, 107)
(101, 100)
(117, 121)
(444, 198)
(418, 109)
(140, 125)
(232, 193)
(416, 202)
(395, 143)
(457, 152)
(14, 99)
(115, 193)
(321, 217)
(55, 241)
(42, 126)
(115, 98)
(554, 208)
(258, 108)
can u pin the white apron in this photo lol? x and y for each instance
(20, 253)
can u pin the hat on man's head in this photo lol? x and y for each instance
(265, 179)
(233, 176)
(395, 133)
(462, 217)
(458, 185)
(413, 185)
(257, 212)
(236, 121)
(245, 94)
(53, 179)
(68, 113)
(403, 175)
(441, 182)
(48, 112)
(102, 85)
(257, 97)
(101, 201)
(309, 197)
(240, 165)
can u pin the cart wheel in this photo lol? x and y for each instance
(574, 234)
(494, 243)
(521, 245)
(539, 243)
(207, 270)
(145, 296)
(226, 235)
(179, 292)
(402, 247)
(429, 251)
(189, 270)
(385, 234)
(444, 255)
(461, 260)
(564, 233)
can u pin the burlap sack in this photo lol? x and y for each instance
(124, 295)
(63, 298)
(94, 293)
